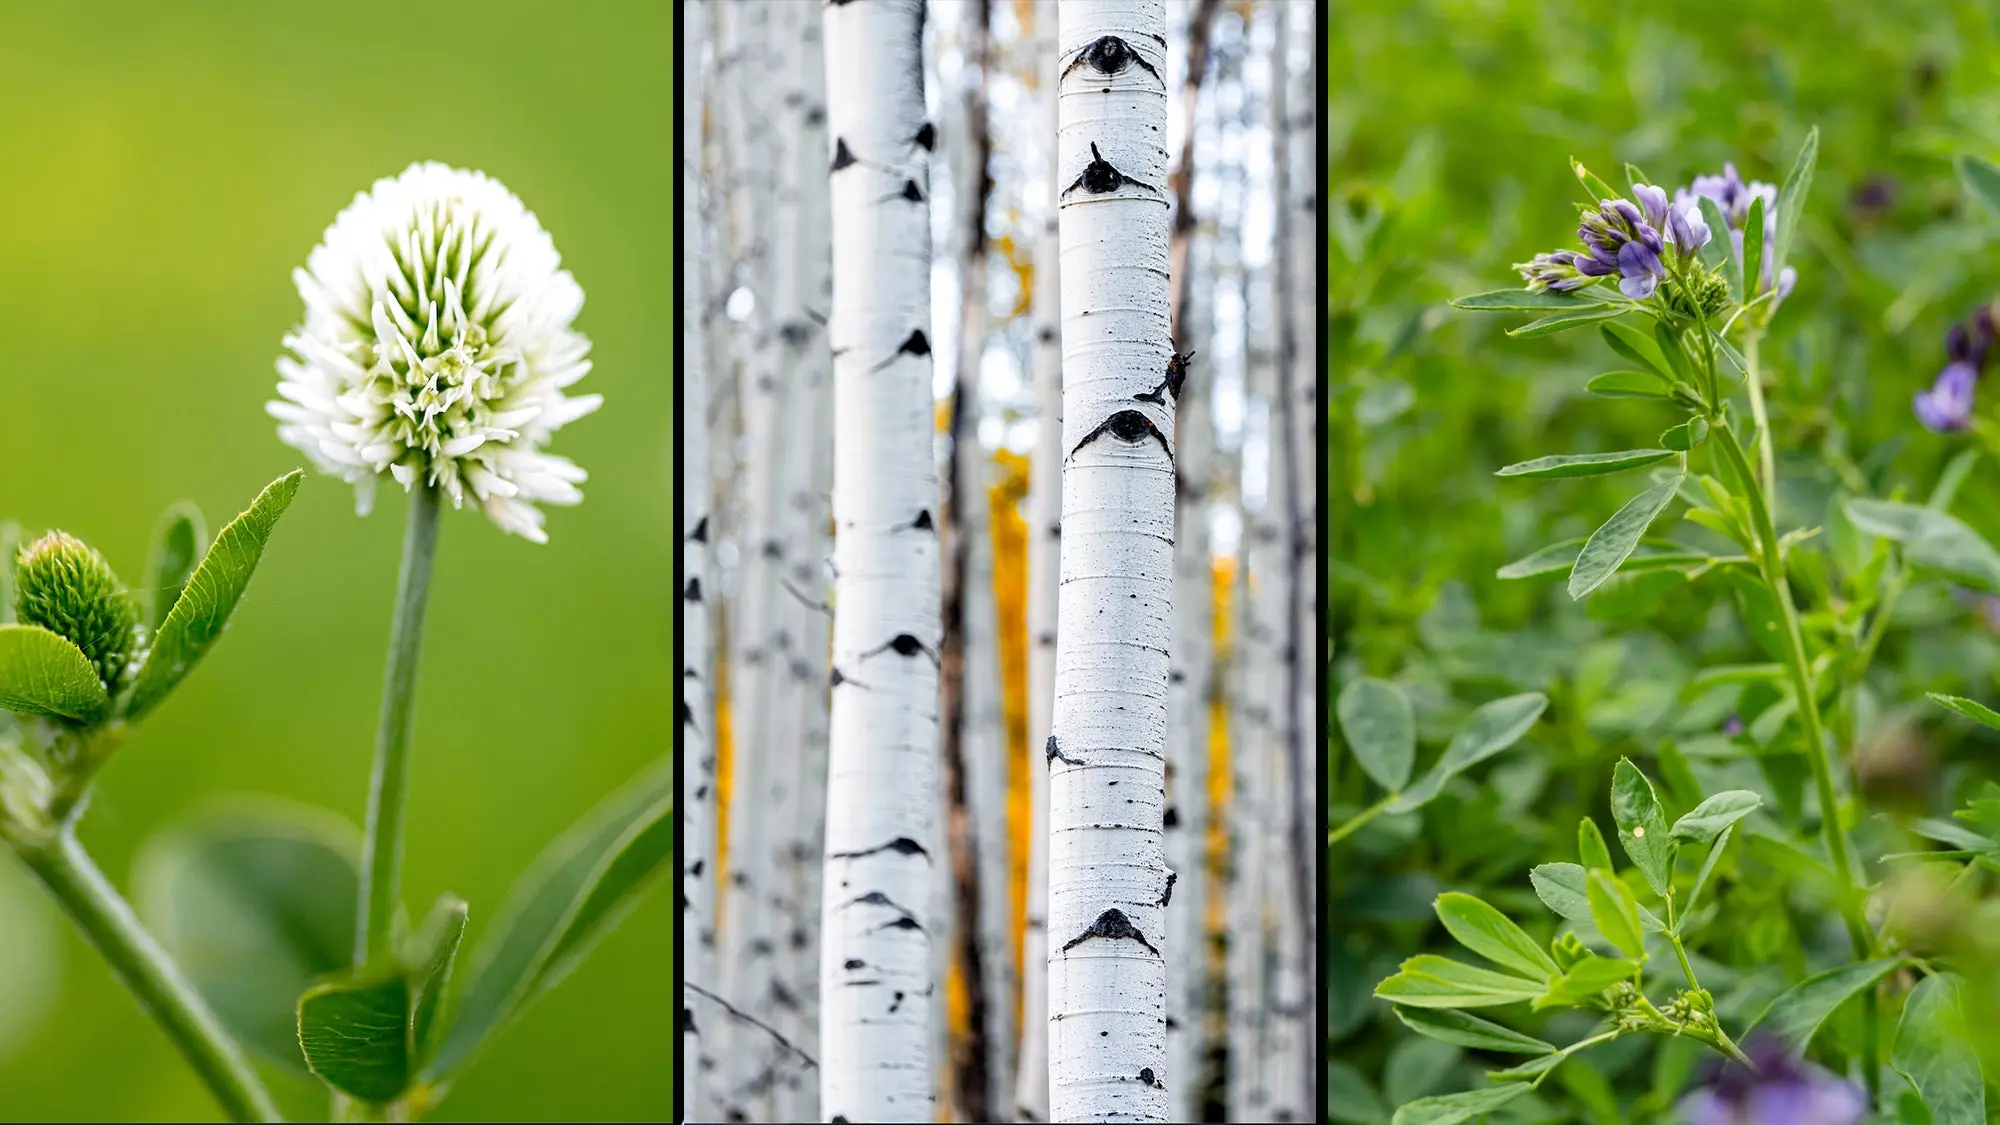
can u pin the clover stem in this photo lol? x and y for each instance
(382, 843)
(1754, 380)
(61, 864)
(1354, 825)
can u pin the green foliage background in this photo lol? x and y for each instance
(1451, 125)
(165, 169)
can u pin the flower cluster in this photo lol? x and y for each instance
(1629, 241)
(436, 347)
(1733, 197)
(1947, 406)
(1781, 1090)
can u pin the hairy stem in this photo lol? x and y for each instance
(382, 845)
(108, 922)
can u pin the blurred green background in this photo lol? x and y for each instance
(165, 168)
(1451, 124)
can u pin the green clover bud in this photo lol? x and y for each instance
(63, 585)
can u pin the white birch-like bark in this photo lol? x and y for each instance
(795, 650)
(744, 91)
(697, 717)
(1294, 106)
(1107, 865)
(1250, 666)
(1031, 1097)
(876, 953)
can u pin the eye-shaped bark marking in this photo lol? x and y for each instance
(1053, 753)
(1099, 177)
(916, 343)
(902, 644)
(1111, 925)
(901, 845)
(1128, 426)
(1109, 55)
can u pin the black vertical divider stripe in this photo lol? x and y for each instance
(1321, 657)
(682, 264)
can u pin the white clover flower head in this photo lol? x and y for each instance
(436, 347)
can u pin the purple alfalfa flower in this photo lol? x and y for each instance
(1618, 236)
(1653, 201)
(1733, 725)
(1733, 197)
(1562, 271)
(1947, 406)
(1779, 1089)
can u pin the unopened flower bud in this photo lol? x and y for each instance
(66, 587)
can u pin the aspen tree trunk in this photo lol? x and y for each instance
(744, 87)
(1294, 98)
(794, 553)
(1107, 865)
(876, 953)
(1251, 666)
(697, 718)
(1187, 687)
(1031, 1097)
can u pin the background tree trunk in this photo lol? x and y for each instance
(876, 964)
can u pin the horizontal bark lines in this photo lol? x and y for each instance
(876, 952)
(1107, 868)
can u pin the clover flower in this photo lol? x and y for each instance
(1781, 1090)
(1733, 196)
(436, 347)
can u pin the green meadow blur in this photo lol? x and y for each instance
(163, 168)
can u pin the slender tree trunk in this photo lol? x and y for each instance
(876, 960)
(1107, 865)
(1044, 557)
(747, 912)
(697, 718)
(1300, 422)
(1187, 688)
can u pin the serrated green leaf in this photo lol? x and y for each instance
(1376, 721)
(574, 892)
(1610, 545)
(178, 542)
(1714, 815)
(254, 900)
(1934, 1051)
(1590, 847)
(355, 1032)
(1564, 321)
(42, 673)
(1642, 826)
(1467, 1030)
(1931, 539)
(1792, 199)
(1977, 712)
(1430, 981)
(1527, 300)
(1493, 728)
(1615, 911)
(1585, 981)
(1629, 384)
(430, 962)
(1982, 182)
(1480, 927)
(204, 607)
(1561, 465)
(1797, 1014)
(1450, 1109)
